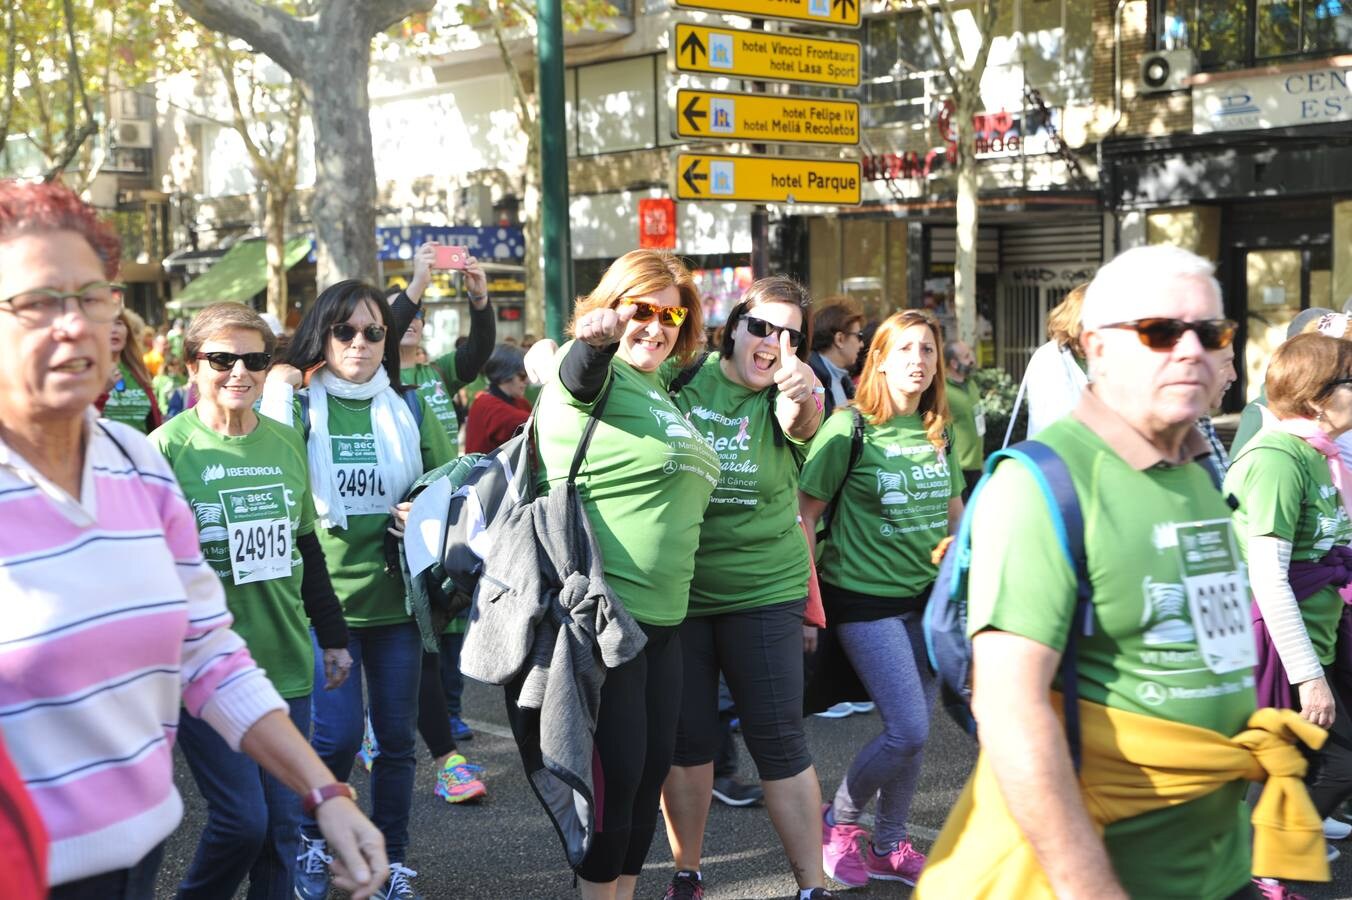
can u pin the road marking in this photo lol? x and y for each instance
(488, 728)
(912, 830)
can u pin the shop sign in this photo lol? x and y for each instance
(701, 49)
(498, 243)
(775, 179)
(1311, 97)
(833, 13)
(911, 164)
(717, 115)
(657, 223)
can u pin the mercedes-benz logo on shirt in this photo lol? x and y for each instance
(1150, 693)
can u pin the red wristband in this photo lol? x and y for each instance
(311, 801)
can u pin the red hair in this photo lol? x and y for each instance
(43, 208)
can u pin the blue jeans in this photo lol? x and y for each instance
(390, 658)
(452, 682)
(251, 817)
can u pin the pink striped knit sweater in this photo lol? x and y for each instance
(109, 619)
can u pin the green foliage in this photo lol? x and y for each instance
(998, 392)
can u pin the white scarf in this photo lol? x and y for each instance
(398, 443)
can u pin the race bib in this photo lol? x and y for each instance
(1218, 594)
(361, 486)
(259, 529)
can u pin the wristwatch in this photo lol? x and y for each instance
(311, 801)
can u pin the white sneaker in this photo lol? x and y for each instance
(839, 711)
(1333, 852)
(1336, 829)
(862, 707)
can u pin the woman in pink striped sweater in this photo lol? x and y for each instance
(110, 616)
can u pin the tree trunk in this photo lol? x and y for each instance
(344, 207)
(532, 233)
(964, 269)
(274, 225)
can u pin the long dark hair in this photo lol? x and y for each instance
(771, 289)
(336, 304)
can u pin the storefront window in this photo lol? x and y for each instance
(1220, 33)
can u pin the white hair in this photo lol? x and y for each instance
(1136, 272)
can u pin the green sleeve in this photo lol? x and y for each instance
(957, 482)
(160, 439)
(828, 459)
(437, 448)
(445, 366)
(1249, 422)
(1270, 485)
(1020, 580)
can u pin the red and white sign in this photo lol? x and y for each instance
(657, 223)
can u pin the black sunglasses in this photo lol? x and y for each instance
(1334, 385)
(761, 328)
(1159, 333)
(346, 333)
(224, 362)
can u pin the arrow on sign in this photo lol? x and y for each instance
(691, 114)
(695, 46)
(845, 7)
(691, 176)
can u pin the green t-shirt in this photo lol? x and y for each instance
(969, 423)
(645, 484)
(356, 554)
(1285, 490)
(437, 384)
(251, 497)
(893, 511)
(1151, 537)
(1250, 423)
(164, 387)
(127, 402)
(751, 551)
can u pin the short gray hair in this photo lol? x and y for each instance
(1138, 271)
(505, 364)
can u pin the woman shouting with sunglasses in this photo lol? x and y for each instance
(366, 442)
(248, 483)
(756, 403)
(644, 484)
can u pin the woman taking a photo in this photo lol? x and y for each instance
(1293, 529)
(365, 447)
(129, 397)
(756, 404)
(248, 483)
(893, 508)
(644, 484)
(105, 652)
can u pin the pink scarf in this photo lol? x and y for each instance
(1309, 431)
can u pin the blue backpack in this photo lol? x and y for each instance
(945, 618)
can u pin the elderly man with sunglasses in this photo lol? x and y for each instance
(1163, 651)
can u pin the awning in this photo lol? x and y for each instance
(240, 273)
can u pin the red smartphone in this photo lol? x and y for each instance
(451, 257)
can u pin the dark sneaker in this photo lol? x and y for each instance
(312, 869)
(400, 885)
(732, 792)
(822, 894)
(460, 731)
(685, 886)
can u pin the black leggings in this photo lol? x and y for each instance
(1330, 775)
(433, 723)
(635, 736)
(760, 653)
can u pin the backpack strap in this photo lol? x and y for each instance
(856, 440)
(687, 375)
(593, 417)
(1054, 481)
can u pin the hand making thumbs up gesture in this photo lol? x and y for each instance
(603, 327)
(794, 377)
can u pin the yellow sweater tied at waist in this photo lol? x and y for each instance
(1134, 764)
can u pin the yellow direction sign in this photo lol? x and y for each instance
(764, 55)
(818, 12)
(767, 179)
(716, 115)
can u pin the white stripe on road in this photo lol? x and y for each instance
(488, 728)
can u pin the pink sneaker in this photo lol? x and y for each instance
(841, 856)
(902, 864)
(1271, 889)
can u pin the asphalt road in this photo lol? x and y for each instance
(504, 848)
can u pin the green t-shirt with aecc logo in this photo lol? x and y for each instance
(752, 552)
(356, 554)
(893, 510)
(127, 402)
(1284, 489)
(645, 484)
(437, 383)
(251, 497)
(1171, 636)
(969, 423)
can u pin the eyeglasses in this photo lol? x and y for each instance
(420, 314)
(98, 301)
(854, 334)
(225, 362)
(760, 328)
(1334, 385)
(346, 333)
(667, 315)
(1160, 333)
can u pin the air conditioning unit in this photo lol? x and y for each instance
(133, 133)
(1166, 70)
